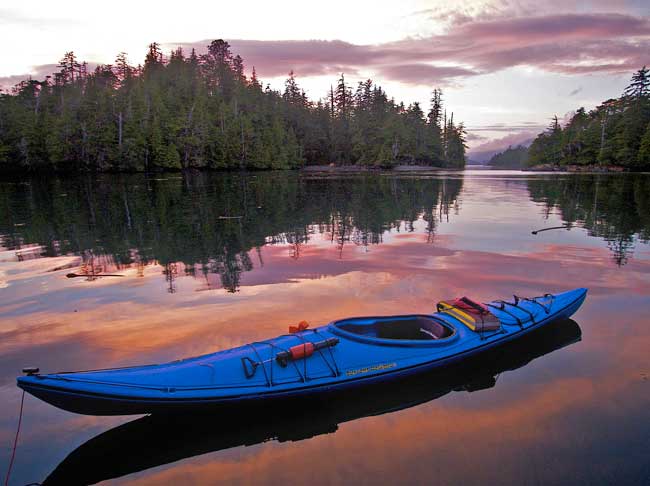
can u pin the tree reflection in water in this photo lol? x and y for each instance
(613, 207)
(200, 224)
(207, 223)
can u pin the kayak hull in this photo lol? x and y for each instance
(356, 361)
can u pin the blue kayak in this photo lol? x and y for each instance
(341, 355)
(118, 452)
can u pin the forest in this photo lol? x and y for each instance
(615, 133)
(201, 111)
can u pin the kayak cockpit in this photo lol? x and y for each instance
(415, 327)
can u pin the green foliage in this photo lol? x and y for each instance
(453, 142)
(511, 158)
(643, 157)
(200, 111)
(612, 134)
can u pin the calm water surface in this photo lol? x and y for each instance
(211, 261)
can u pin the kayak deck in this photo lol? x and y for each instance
(335, 356)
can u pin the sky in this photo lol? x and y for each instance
(506, 67)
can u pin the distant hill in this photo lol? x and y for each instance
(483, 155)
(480, 158)
(511, 158)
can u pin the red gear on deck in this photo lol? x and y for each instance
(302, 325)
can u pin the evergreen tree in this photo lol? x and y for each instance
(639, 86)
(644, 149)
(434, 142)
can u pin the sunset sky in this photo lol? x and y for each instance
(506, 67)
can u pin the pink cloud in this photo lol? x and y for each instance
(503, 127)
(568, 43)
(565, 26)
(38, 73)
(305, 57)
(563, 43)
(425, 74)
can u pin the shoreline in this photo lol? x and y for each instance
(332, 170)
(360, 169)
(576, 168)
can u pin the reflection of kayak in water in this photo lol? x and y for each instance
(156, 440)
(342, 355)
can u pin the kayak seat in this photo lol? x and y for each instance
(413, 327)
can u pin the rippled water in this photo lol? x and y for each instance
(210, 261)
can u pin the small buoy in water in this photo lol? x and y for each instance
(31, 370)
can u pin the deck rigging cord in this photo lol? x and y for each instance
(250, 366)
(13, 452)
(501, 305)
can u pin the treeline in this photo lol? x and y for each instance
(616, 133)
(202, 111)
(511, 158)
(209, 225)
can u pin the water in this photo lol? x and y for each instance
(210, 261)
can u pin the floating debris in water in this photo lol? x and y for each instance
(567, 227)
(74, 275)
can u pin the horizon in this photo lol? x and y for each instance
(505, 68)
